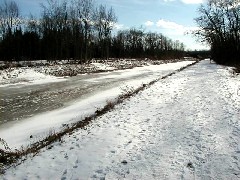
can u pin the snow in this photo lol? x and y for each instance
(140, 70)
(47, 72)
(101, 66)
(231, 85)
(183, 127)
(18, 133)
(25, 76)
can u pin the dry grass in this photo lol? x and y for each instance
(237, 69)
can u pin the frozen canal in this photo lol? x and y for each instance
(22, 101)
(32, 109)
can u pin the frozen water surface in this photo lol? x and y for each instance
(32, 109)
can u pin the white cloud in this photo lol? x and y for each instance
(183, 33)
(192, 1)
(187, 1)
(168, 24)
(149, 23)
(174, 28)
(118, 26)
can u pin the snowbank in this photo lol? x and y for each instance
(14, 76)
(45, 72)
(103, 67)
(231, 85)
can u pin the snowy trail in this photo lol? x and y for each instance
(183, 127)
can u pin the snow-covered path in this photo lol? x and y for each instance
(183, 127)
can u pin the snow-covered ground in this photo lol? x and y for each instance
(16, 76)
(182, 127)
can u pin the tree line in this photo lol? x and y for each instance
(79, 30)
(219, 23)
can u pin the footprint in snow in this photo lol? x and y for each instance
(65, 172)
(100, 171)
(66, 156)
(190, 165)
(124, 162)
(76, 164)
(78, 145)
(64, 175)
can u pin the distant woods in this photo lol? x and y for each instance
(78, 30)
(219, 23)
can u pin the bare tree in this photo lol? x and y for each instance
(9, 16)
(104, 21)
(76, 26)
(219, 24)
(33, 24)
(54, 24)
(55, 15)
(85, 10)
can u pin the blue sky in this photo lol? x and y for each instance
(173, 18)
